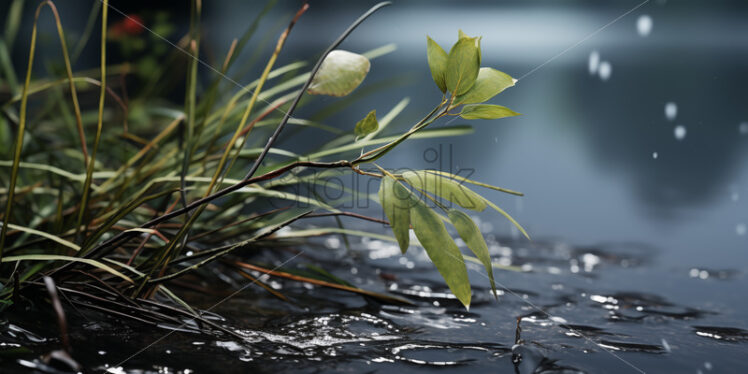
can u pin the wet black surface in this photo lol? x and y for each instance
(581, 319)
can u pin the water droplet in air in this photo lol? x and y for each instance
(332, 243)
(680, 132)
(593, 62)
(743, 128)
(666, 345)
(655, 155)
(605, 70)
(741, 229)
(671, 111)
(644, 25)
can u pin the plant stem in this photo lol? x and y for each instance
(172, 248)
(218, 194)
(287, 116)
(19, 141)
(99, 125)
(376, 153)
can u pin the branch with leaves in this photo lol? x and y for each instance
(91, 217)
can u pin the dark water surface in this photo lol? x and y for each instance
(640, 249)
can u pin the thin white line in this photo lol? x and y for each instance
(209, 309)
(192, 56)
(499, 283)
(584, 39)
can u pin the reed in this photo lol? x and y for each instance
(126, 205)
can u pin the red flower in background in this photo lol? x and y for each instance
(130, 25)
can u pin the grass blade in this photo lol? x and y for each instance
(100, 122)
(43, 234)
(88, 261)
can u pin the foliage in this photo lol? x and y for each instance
(137, 191)
(459, 74)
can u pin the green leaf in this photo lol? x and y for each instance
(367, 125)
(437, 59)
(341, 72)
(396, 202)
(44, 235)
(490, 82)
(446, 188)
(41, 257)
(442, 251)
(462, 179)
(461, 34)
(463, 63)
(486, 111)
(469, 232)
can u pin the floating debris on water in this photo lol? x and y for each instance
(655, 155)
(644, 25)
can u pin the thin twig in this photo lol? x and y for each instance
(287, 116)
(61, 320)
(348, 214)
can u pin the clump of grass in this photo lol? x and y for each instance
(120, 198)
